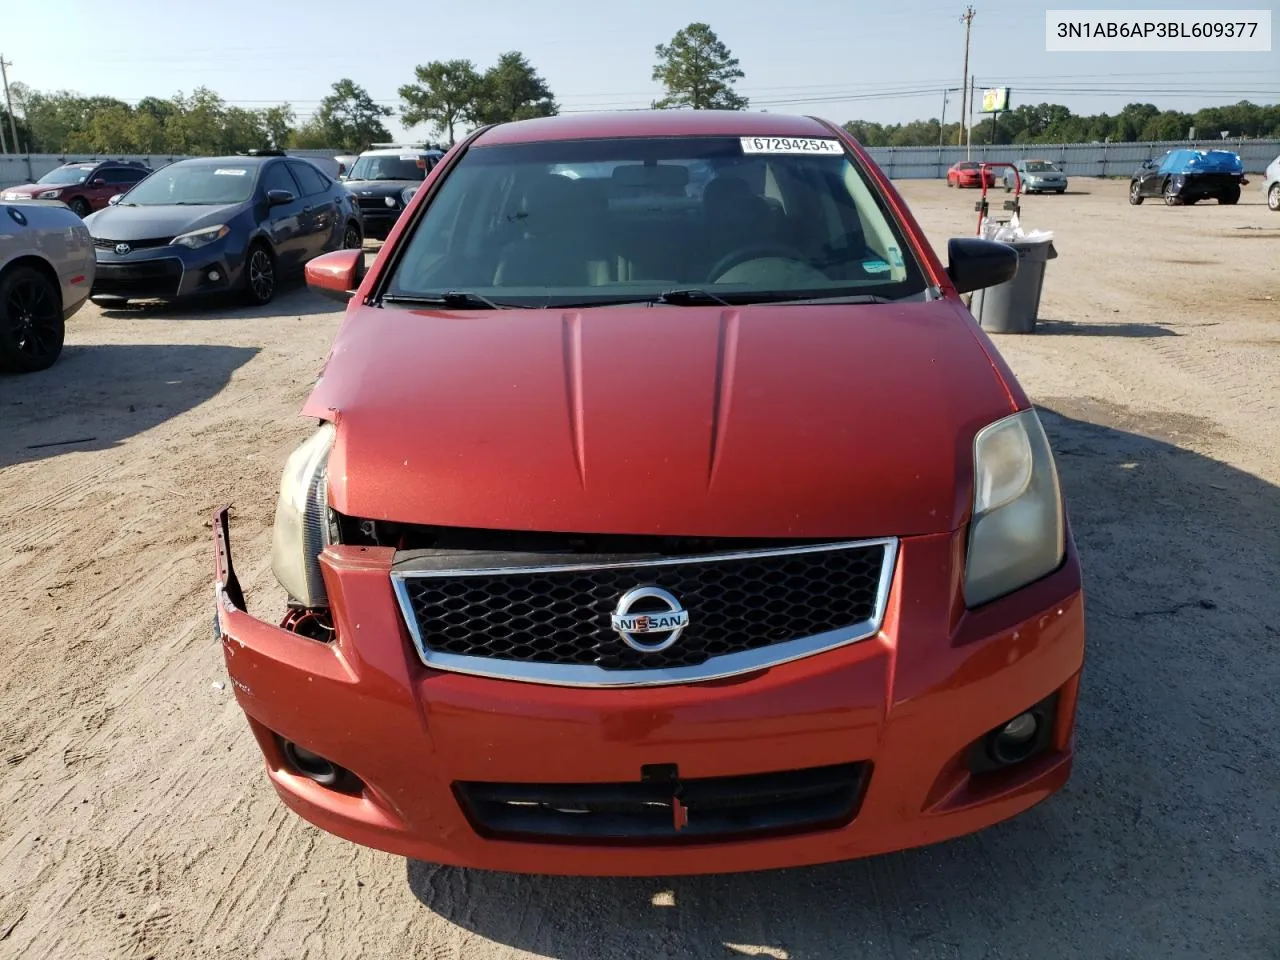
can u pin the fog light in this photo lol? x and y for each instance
(215, 276)
(1016, 739)
(311, 765)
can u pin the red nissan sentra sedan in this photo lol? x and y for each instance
(667, 513)
(969, 173)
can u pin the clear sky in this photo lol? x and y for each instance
(840, 59)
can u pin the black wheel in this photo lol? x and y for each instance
(1007, 188)
(1135, 195)
(80, 207)
(1171, 197)
(351, 238)
(949, 183)
(1273, 197)
(259, 275)
(31, 324)
(1061, 192)
(1230, 196)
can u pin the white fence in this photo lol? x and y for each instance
(901, 163)
(15, 169)
(1075, 159)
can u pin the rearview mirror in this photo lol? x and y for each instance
(116, 199)
(336, 275)
(278, 198)
(974, 264)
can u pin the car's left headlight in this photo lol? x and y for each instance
(1018, 533)
(49, 195)
(302, 523)
(389, 201)
(407, 194)
(202, 237)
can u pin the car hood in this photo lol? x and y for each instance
(140, 223)
(379, 188)
(765, 421)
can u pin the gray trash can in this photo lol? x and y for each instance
(1012, 306)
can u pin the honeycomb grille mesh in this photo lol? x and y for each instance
(562, 617)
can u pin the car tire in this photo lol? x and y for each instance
(352, 239)
(1061, 192)
(32, 328)
(1273, 198)
(1135, 197)
(949, 183)
(80, 207)
(259, 275)
(1230, 197)
(1171, 198)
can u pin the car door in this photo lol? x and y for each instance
(319, 212)
(284, 223)
(1152, 183)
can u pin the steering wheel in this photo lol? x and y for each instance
(755, 251)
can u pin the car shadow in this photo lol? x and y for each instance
(293, 298)
(1079, 328)
(98, 395)
(1163, 842)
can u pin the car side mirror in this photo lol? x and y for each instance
(116, 199)
(336, 275)
(277, 198)
(974, 264)
(97, 182)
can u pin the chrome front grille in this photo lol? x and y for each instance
(103, 243)
(549, 619)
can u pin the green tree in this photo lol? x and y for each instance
(446, 93)
(348, 118)
(697, 70)
(277, 123)
(512, 90)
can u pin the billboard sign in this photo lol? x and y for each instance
(995, 100)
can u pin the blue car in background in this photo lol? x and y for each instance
(1185, 176)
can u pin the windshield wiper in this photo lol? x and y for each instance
(851, 298)
(690, 297)
(452, 299)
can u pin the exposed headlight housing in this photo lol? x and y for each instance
(301, 529)
(1018, 533)
(49, 194)
(202, 237)
(407, 194)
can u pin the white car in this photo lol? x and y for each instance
(47, 267)
(1271, 185)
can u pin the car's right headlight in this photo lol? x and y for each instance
(49, 194)
(202, 237)
(302, 523)
(1018, 533)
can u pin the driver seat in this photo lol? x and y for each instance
(736, 217)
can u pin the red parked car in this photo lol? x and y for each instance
(647, 530)
(969, 173)
(84, 187)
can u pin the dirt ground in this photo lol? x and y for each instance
(136, 822)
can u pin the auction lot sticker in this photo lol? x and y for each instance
(1152, 31)
(791, 145)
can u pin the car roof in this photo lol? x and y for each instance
(655, 123)
(402, 151)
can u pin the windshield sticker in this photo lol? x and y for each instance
(895, 256)
(229, 172)
(791, 145)
(408, 156)
(875, 266)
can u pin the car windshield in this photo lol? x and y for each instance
(716, 219)
(195, 183)
(403, 167)
(1040, 166)
(66, 175)
(966, 166)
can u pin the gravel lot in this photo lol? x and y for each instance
(135, 821)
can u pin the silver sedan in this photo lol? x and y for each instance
(1038, 176)
(47, 267)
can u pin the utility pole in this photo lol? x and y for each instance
(942, 124)
(968, 143)
(967, 20)
(13, 127)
